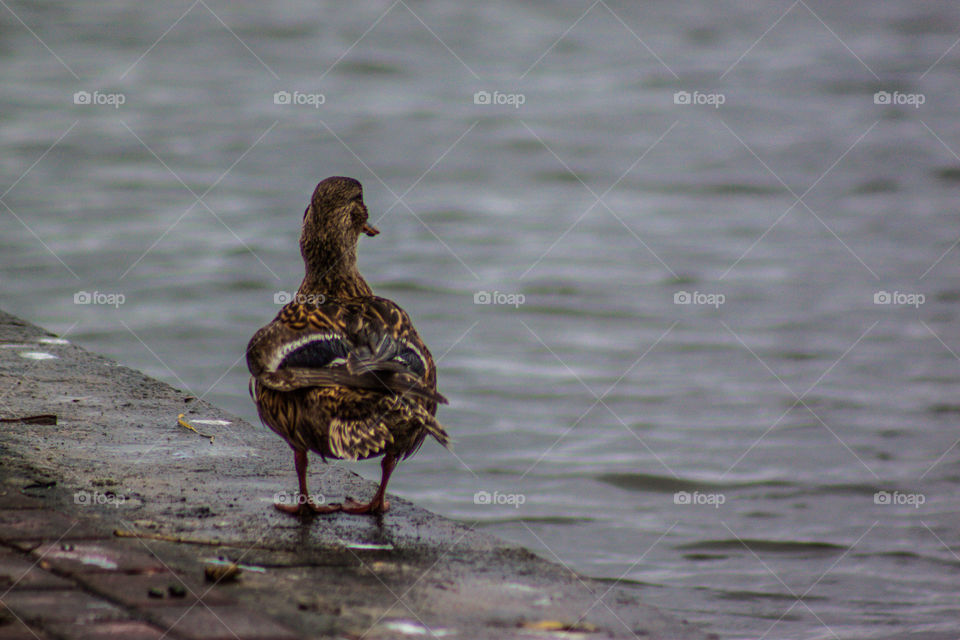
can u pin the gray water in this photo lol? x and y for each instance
(780, 412)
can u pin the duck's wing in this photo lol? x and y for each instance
(368, 344)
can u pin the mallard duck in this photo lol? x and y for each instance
(342, 372)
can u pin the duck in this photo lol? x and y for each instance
(341, 372)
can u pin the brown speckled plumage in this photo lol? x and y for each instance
(339, 371)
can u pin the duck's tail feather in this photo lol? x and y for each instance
(438, 432)
(432, 428)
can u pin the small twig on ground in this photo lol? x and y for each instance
(186, 425)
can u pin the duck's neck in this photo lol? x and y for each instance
(340, 281)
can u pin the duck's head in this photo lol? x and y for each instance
(333, 222)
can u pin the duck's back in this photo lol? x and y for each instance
(348, 378)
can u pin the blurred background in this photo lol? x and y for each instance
(689, 270)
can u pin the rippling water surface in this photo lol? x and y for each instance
(725, 458)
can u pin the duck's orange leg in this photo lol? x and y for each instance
(304, 504)
(379, 502)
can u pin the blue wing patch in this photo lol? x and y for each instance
(411, 360)
(317, 354)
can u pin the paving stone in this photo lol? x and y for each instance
(22, 572)
(117, 630)
(59, 606)
(219, 623)
(13, 629)
(13, 499)
(25, 546)
(88, 557)
(134, 590)
(42, 524)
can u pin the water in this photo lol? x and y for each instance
(781, 412)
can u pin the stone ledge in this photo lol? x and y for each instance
(187, 501)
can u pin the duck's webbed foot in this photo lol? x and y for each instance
(378, 505)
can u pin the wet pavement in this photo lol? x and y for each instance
(118, 522)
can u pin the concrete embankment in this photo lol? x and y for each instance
(110, 518)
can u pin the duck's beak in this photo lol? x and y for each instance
(369, 229)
